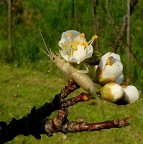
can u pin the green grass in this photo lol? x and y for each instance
(24, 87)
(36, 83)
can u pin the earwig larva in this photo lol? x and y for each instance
(79, 76)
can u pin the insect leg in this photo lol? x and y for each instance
(84, 71)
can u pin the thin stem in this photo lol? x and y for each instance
(128, 44)
(96, 23)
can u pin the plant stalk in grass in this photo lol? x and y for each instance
(128, 46)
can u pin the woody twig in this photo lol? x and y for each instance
(61, 124)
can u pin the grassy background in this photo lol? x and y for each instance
(31, 79)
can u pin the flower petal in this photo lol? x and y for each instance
(131, 93)
(120, 79)
(64, 55)
(89, 51)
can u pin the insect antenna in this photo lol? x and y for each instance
(48, 52)
(51, 53)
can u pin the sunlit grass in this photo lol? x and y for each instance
(24, 87)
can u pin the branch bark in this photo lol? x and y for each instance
(61, 124)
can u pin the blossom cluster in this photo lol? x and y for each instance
(109, 72)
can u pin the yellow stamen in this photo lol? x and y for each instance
(69, 34)
(94, 37)
(82, 35)
(81, 43)
(74, 47)
(108, 62)
(86, 43)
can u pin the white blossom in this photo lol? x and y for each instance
(110, 69)
(74, 47)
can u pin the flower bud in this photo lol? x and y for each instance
(110, 69)
(131, 94)
(112, 92)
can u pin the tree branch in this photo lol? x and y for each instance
(61, 124)
(106, 9)
(37, 121)
(119, 38)
(33, 123)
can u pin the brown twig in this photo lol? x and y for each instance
(61, 124)
(71, 87)
(106, 8)
(73, 127)
(37, 121)
(121, 34)
(56, 123)
(80, 98)
(119, 38)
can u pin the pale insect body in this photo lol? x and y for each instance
(79, 76)
(84, 81)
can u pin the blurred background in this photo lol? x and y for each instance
(28, 78)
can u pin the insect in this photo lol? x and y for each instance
(79, 76)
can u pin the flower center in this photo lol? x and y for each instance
(109, 61)
(73, 46)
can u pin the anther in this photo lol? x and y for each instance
(81, 43)
(108, 62)
(94, 37)
(82, 35)
(86, 43)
